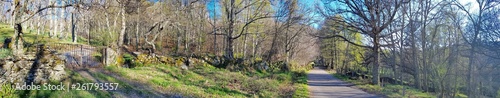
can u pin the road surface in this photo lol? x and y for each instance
(324, 85)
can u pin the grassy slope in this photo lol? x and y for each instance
(124, 88)
(202, 81)
(75, 78)
(207, 81)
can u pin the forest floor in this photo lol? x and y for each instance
(323, 85)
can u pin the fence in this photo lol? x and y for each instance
(77, 55)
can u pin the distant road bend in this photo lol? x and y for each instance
(324, 85)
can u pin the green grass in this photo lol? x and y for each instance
(208, 81)
(7, 91)
(5, 53)
(301, 89)
(123, 87)
(30, 37)
(389, 90)
(74, 78)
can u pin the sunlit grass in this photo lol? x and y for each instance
(31, 37)
(389, 90)
(208, 81)
(67, 93)
(5, 53)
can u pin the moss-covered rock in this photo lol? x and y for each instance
(166, 59)
(146, 59)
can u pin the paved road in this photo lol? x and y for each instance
(324, 85)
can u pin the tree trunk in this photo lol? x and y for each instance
(273, 49)
(55, 25)
(122, 33)
(229, 48)
(124, 27)
(89, 29)
(376, 61)
(38, 26)
(61, 23)
(116, 19)
(229, 33)
(13, 20)
(106, 14)
(186, 39)
(470, 73)
(245, 45)
(179, 41)
(214, 27)
(215, 39)
(137, 35)
(413, 42)
(17, 45)
(73, 33)
(254, 45)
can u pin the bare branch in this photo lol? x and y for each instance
(42, 9)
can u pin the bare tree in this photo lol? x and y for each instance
(473, 40)
(121, 37)
(370, 18)
(232, 9)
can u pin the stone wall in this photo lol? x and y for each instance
(44, 66)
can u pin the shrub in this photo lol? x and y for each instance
(238, 55)
(278, 66)
(282, 76)
(294, 66)
(103, 38)
(129, 60)
(97, 56)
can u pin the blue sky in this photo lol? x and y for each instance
(213, 5)
(310, 4)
